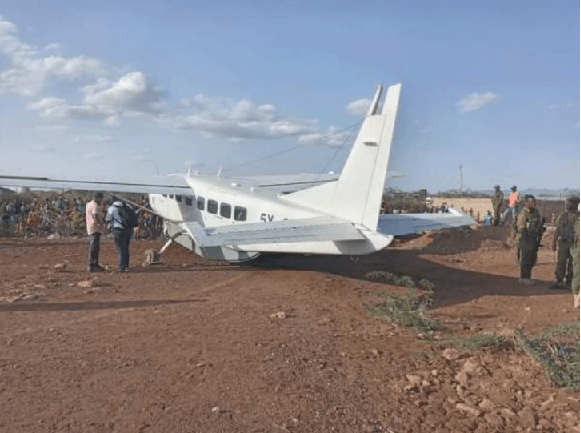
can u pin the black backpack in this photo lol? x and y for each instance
(128, 216)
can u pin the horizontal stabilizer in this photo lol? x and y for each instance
(293, 231)
(156, 185)
(405, 224)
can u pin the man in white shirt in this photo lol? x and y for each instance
(94, 228)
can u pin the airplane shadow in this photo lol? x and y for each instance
(90, 306)
(451, 285)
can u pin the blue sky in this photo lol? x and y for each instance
(109, 88)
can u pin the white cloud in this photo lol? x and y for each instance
(131, 93)
(131, 96)
(552, 106)
(92, 139)
(93, 156)
(359, 107)
(332, 138)
(52, 47)
(476, 101)
(28, 73)
(242, 119)
(141, 158)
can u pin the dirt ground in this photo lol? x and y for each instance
(285, 346)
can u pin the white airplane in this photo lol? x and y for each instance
(238, 219)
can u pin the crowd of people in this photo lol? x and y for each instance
(388, 208)
(58, 215)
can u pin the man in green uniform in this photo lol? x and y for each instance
(497, 200)
(575, 255)
(529, 227)
(564, 236)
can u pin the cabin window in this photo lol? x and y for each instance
(201, 203)
(188, 201)
(164, 195)
(225, 210)
(239, 213)
(179, 198)
(171, 196)
(212, 206)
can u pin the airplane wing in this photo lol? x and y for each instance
(244, 235)
(405, 224)
(149, 185)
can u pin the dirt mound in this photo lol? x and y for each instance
(464, 239)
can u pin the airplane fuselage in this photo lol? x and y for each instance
(217, 202)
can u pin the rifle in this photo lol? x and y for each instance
(542, 230)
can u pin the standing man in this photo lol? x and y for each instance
(121, 233)
(94, 222)
(575, 254)
(513, 204)
(529, 226)
(497, 200)
(514, 201)
(564, 237)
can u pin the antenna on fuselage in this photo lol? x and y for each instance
(219, 174)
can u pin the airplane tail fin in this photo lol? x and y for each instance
(356, 195)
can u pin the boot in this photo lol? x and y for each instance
(527, 281)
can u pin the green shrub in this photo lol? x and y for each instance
(476, 342)
(559, 359)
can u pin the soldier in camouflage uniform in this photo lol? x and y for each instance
(529, 226)
(497, 200)
(575, 255)
(564, 236)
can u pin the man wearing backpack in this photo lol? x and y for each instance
(121, 218)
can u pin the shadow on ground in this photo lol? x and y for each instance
(451, 285)
(88, 306)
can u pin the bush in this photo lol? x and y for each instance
(476, 342)
(406, 310)
(559, 359)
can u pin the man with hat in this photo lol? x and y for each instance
(497, 200)
(564, 237)
(529, 228)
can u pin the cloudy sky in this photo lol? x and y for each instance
(109, 88)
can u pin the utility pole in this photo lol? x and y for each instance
(462, 187)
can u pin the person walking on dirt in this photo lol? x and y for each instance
(497, 200)
(94, 222)
(122, 232)
(529, 226)
(564, 236)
